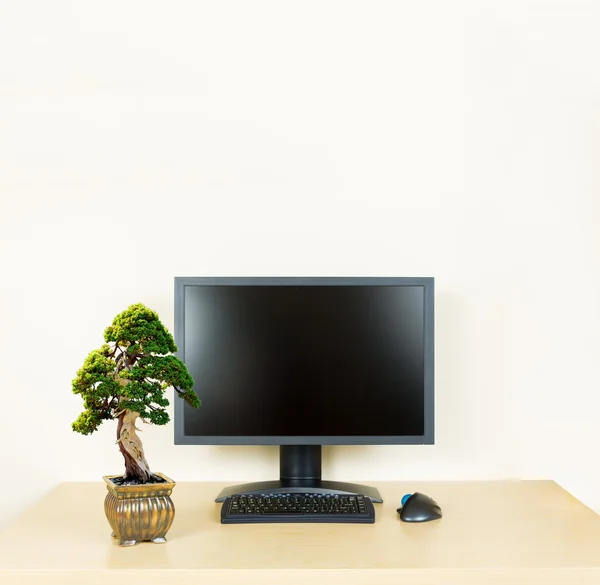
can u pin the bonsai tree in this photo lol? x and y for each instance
(126, 379)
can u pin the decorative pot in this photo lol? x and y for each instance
(139, 512)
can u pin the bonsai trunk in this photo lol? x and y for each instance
(130, 445)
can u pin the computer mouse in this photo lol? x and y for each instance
(418, 507)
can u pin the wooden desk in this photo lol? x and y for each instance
(530, 532)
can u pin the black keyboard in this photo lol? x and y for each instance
(286, 507)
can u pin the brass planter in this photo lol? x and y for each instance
(139, 512)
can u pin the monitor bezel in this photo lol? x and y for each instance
(427, 438)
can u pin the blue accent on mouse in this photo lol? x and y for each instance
(404, 498)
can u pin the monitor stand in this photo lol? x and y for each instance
(300, 472)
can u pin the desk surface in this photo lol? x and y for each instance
(491, 532)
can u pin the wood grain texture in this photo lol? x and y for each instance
(526, 532)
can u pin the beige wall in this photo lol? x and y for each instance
(143, 140)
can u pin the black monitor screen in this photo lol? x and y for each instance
(305, 360)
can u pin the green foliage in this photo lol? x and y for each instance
(140, 331)
(87, 422)
(172, 371)
(96, 380)
(131, 372)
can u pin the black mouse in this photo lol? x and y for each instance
(418, 507)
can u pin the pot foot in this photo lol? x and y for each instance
(127, 542)
(159, 539)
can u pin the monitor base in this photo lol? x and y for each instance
(296, 486)
(300, 473)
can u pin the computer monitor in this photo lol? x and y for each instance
(305, 362)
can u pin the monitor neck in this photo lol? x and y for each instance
(299, 462)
